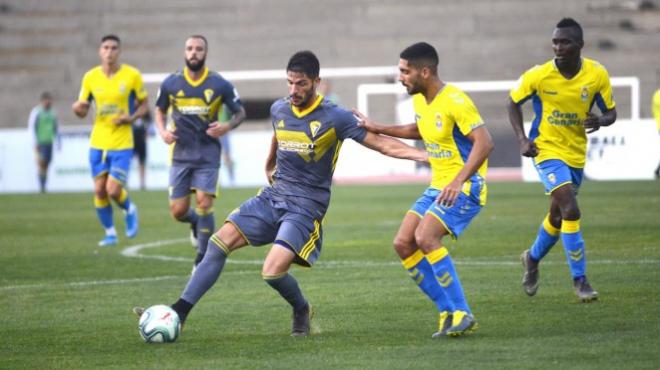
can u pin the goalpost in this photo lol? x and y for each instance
(364, 91)
(623, 151)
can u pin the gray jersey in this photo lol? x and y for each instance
(308, 145)
(195, 104)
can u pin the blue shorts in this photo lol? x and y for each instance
(45, 153)
(185, 180)
(116, 163)
(555, 173)
(263, 220)
(455, 218)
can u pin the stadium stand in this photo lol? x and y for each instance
(49, 45)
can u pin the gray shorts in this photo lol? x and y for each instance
(186, 180)
(262, 220)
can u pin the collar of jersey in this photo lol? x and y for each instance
(113, 75)
(308, 110)
(198, 82)
(554, 65)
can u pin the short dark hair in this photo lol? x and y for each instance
(304, 62)
(110, 37)
(420, 55)
(206, 43)
(571, 23)
(46, 96)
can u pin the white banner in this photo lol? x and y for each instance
(69, 170)
(627, 150)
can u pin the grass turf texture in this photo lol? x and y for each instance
(66, 303)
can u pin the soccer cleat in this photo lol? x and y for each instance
(530, 280)
(108, 241)
(584, 291)
(138, 311)
(302, 322)
(193, 234)
(462, 323)
(443, 325)
(131, 218)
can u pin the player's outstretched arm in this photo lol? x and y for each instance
(527, 147)
(160, 119)
(593, 123)
(409, 131)
(393, 147)
(482, 145)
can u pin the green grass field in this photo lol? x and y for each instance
(66, 303)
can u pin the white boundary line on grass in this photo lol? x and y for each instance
(135, 252)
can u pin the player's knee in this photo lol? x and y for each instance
(178, 211)
(425, 242)
(570, 210)
(403, 246)
(555, 219)
(273, 268)
(100, 192)
(113, 189)
(205, 203)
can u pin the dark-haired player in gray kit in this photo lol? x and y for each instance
(196, 96)
(309, 131)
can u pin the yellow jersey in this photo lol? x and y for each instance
(561, 105)
(112, 96)
(444, 125)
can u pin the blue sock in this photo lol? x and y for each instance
(288, 288)
(571, 236)
(207, 272)
(545, 239)
(421, 272)
(190, 217)
(205, 227)
(447, 277)
(104, 212)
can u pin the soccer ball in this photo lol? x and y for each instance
(159, 324)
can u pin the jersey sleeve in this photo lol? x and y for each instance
(231, 99)
(347, 126)
(85, 89)
(465, 114)
(138, 87)
(525, 86)
(163, 97)
(604, 98)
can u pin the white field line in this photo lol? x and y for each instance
(134, 252)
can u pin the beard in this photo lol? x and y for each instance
(301, 100)
(195, 65)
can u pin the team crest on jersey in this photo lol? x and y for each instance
(280, 124)
(208, 94)
(438, 121)
(585, 93)
(180, 93)
(552, 178)
(122, 87)
(314, 127)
